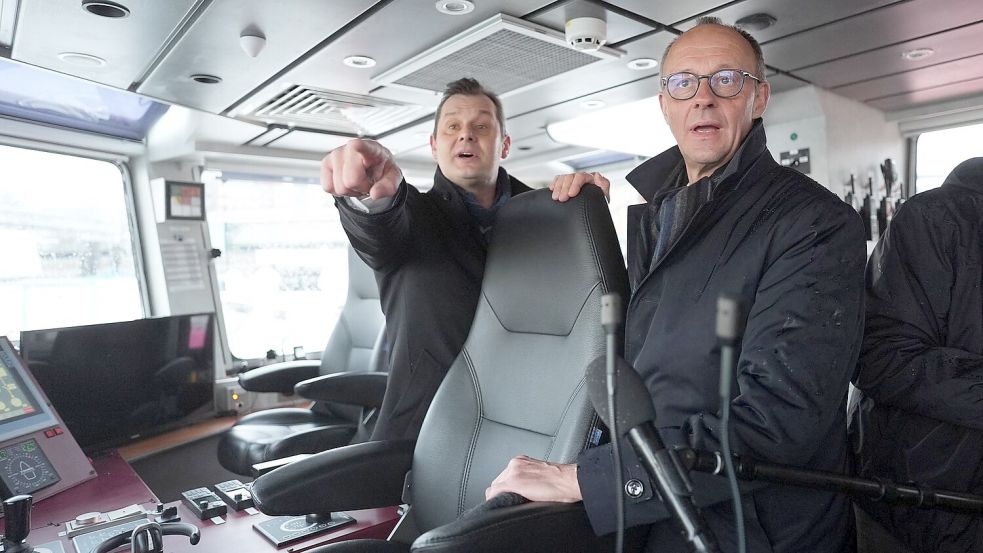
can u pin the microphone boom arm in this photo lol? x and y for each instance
(876, 490)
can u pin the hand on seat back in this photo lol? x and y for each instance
(569, 185)
(360, 168)
(537, 481)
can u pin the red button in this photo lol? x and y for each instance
(58, 431)
(49, 433)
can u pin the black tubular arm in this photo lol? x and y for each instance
(364, 389)
(359, 476)
(279, 377)
(537, 527)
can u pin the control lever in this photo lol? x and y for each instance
(146, 538)
(17, 510)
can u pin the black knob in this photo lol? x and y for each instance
(17, 510)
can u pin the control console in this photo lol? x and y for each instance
(235, 494)
(38, 455)
(203, 503)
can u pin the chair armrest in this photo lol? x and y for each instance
(259, 469)
(279, 377)
(359, 476)
(364, 389)
(531, 527)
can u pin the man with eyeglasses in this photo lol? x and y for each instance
(722, 216)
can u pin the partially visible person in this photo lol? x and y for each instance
(427, 249)
(921, 366)
(723, 216)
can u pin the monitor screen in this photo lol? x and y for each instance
(116, 382)
(185, 200)
(22, 408)
(15, 402)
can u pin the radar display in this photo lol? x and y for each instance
(14, 400)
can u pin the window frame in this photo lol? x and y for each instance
(117, 152)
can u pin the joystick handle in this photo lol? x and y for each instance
(143, 536)
(17, 511)
(148, 538)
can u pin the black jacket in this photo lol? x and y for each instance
(429, 257)
(922, 359)
(794, 254)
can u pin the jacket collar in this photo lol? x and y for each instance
(651, 177)
(968, 175)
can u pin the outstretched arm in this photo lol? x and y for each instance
(363, 169)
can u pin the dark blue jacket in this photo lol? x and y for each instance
(794, 254)
(922, 359)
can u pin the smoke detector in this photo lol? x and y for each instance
(586, 34)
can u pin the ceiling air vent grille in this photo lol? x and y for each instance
(506, 54)
(334, 111)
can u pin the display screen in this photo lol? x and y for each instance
(113, 383)
(185, 200)
(16, 401)
(23, 409)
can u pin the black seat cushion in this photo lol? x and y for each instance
(279, 433)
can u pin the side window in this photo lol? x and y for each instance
(67, 255)
(283, 273)
(939, 152)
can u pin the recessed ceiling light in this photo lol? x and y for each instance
(455, 7)
(359, 62)
(917, 54)
(104, 8)
(756, 21)
(592, 104)
(205, 79)
(641, 64)
(82, 60)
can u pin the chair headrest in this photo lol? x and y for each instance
(521, 284)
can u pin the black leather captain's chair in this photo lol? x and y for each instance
(517, 387)
(352, 368)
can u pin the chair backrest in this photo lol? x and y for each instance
(351, 343)
(517, 386)
(357, 334)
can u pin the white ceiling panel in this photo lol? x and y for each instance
(47, 28)
(791, 17)
(949, 46)
(962, 70)
(212, 47)
(870, 31)
(385, 38)
(909, 98)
